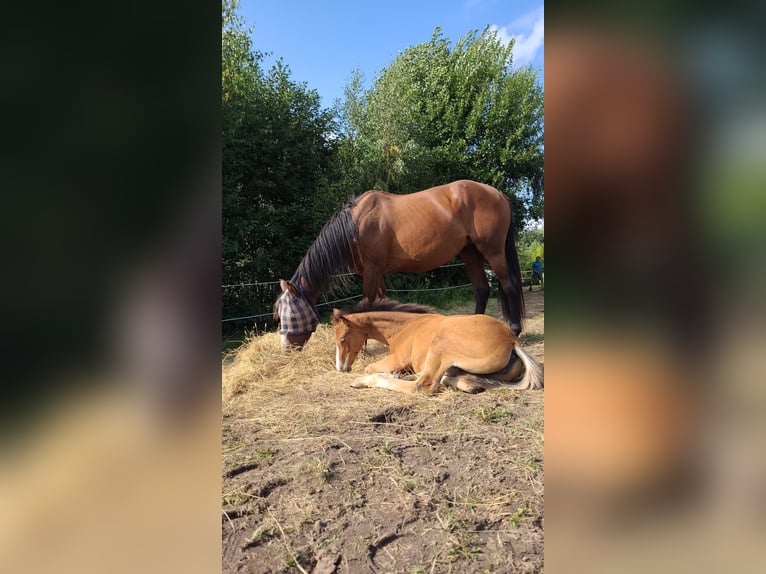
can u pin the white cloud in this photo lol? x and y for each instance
(528, 32)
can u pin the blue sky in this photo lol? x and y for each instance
(322, 42)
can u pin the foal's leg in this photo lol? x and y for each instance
(385, 382)
(388, 364)
(474, 268)
(429, 378)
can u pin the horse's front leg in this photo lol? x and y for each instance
(385, 382)
(388, 364)
(373, 285)
(377, 375)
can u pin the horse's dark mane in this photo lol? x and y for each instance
(332, 252)
(390, 305)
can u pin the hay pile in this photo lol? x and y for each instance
(260, 362)
(301, 394)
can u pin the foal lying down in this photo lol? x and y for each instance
(469, 352)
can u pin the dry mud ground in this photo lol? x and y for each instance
(319, 477)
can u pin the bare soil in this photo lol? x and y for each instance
(319, 477)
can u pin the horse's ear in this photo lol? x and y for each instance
(337, 315)
(290, 287)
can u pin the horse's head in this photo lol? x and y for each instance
(297, 316)
(349, 340)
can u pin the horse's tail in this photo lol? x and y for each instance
(532, 377)
(513, 308)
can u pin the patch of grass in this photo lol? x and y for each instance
(236, 497)
(327, 541)
(264, 454)
(385, 449)
(531, 338)
(448, 522)
(233, 340)
(535, 422)
(353, 488)
(294, 560)
(309, 517)
(529, 463)
(467, 496)
(232, 442)
(323, 468)
(383, 458)
(263, 533)
(465, 549)
(515, 518)
(491, 415)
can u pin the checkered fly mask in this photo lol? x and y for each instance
(297, 316)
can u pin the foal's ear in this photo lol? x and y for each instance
(337, 315)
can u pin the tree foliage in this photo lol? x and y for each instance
(440, 113)
(529, 245)
(437, 113)
(275, 156)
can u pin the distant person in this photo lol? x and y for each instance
(537, 272)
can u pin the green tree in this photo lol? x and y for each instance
(276, 154)
(439, 113)
(529, 245)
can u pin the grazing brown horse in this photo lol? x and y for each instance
(470, 352)
(379, 233)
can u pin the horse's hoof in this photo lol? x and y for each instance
(425, 390)
(364, 382)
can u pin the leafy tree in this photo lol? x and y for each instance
(529, 245)
(440, 113)
(276, 155)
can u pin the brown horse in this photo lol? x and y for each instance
(470, 352)
(379, 233)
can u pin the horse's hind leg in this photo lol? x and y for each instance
(510, 291)
(474, 267)
(462, 381)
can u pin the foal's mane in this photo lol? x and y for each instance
(331, 252)
(392, 306)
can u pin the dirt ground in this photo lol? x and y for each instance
(319, 477)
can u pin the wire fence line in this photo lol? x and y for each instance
(270, 314)
(333, 276)
(432, 289)
(325, 303)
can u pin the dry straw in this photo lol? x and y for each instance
(300, 393)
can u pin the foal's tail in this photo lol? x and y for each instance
(513, 309)
(505, 379)
(533, 373)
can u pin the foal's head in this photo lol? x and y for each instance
(349, 339)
